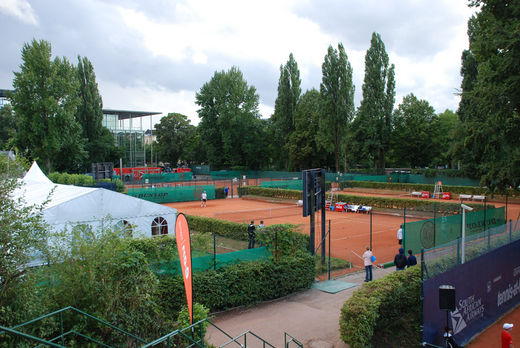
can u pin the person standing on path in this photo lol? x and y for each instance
(412, 260)
(251, 234)
(507, 340)
(203, 199)
(400, 260)
(367, 260)
(400, 235)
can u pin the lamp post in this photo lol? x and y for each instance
(463, 248)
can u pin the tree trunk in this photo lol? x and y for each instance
(48, 164)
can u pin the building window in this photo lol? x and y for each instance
(159, 226)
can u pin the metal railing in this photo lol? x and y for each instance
(288, 339)
(244, 337)
(190, 336)
(15, 330)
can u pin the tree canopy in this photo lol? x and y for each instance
(373, 125)
(230, 125)
(490, 101)
(45, 102)
(173, 136)
(337, 100)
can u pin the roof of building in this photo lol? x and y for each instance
(126, 114)
(3, 92)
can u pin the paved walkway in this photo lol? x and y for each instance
(311, 317)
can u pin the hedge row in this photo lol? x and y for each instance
(241, 284)
(376, 202)
(469, 190)
(284, 236)
(385, 312)
(83, 180)
(221, 228)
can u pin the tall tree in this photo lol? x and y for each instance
(45, 101)
(337, 99)
(445, 128)
(99, 141)
(173, 134)
(7, 126)
(412, 143)
(302, 145)
(490, 103)
(230, 124)
(374, 118)
(283, 123)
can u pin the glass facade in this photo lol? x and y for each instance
(129, 135)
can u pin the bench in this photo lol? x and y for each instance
(464, 197)
(479, 198)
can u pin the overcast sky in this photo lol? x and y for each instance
(154, 55)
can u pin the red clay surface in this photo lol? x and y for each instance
(350, 235)
(350, 232)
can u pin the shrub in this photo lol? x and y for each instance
(385, 312)
(199, 313)
(242, 284)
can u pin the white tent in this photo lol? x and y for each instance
(69, 205)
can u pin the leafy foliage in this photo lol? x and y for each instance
(374, 315)
(283, 122)
(302, 144)
(174, 132)
(98, 273)
(45, 102)
(490, 102)
(337, 101)
(242, 284)
(22, 235)
(230, 126)
(373, 124)
(415, 125)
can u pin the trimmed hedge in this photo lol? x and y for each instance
(221, 228)
(83, 180)
(377, 202)
(385, 312)
(241, 284)
(470, 190)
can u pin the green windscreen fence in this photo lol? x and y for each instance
(200, 169)
(430, 233)
(284, 184)
(226, 174)
(206, 262)
(167, 177)
(173, 194)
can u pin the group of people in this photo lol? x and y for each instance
(251, 232)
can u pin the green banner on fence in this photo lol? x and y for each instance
(168, 177)
(173, 194)
(206, 262)
(285, 184)
(440, 230)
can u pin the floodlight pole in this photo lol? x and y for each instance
(463, 247)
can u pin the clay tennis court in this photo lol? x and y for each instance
(350, 232)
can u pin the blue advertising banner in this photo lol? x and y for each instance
(485, 288)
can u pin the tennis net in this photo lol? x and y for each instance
(258, 214)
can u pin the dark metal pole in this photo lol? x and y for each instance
(506, 209)
(371, 230)
(434, 221)
(312, 215)
(404, 230)
(329, 251)
(214, 251)
(485, 209)
(323, 217)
